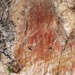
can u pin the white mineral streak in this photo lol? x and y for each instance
(14, 74)
(68, 73)
(35, 69)
(73, 72)
(3, 69)
(38, 68)
(15, 2)
(66, 14)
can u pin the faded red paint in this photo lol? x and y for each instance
(57, 45)
(49, 37)
(41, 29)
(71, 45)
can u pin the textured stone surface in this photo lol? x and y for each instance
(44, 42)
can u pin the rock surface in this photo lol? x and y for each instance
(44, 37)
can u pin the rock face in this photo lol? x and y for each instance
(43, 43)
(7, 30)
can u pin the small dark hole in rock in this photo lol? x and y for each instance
(30, 48)
(50, 48)
(17, 18)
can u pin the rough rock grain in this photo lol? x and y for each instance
(44, 42)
